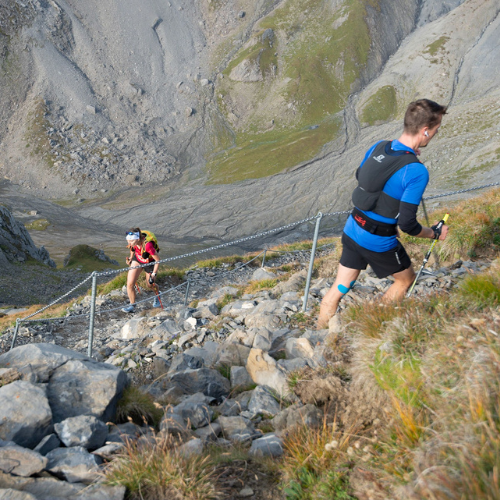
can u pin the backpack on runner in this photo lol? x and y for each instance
(148, 237)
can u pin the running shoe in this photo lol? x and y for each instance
(156, 302)
(129, 309)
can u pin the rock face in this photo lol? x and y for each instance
(58, 383)
(103, 127)
(16, 244)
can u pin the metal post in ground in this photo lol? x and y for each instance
(14, 337)
(187, 293)
(264, 258)
(311, 262)
(92, 313)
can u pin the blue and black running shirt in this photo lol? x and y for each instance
(407, 185)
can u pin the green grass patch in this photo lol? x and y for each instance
(381, 106)
(258, 155)
(117, 283)
(139, 407)
(37, 225)
(84, 258)
(436, 46)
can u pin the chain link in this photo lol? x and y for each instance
(462, 191)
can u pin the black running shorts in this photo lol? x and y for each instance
(383, 264)
(149, 269)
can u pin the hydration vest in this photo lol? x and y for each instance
(372, 176)
(148, 236)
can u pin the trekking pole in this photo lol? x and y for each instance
(441, 223)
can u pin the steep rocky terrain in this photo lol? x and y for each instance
(130, 115)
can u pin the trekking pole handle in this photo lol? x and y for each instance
(438, 226)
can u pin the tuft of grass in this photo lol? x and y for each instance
(480, 291)
(139, 407)
(225, 370)
(156, 471)
(255, 286)
(314, 463)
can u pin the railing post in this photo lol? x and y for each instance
(311, 262)
(264, 257)
(92, 314)
(14, 337)
(187, 293)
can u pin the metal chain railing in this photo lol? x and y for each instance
(262, 234)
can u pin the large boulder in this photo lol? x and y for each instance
(25, 414)
(42, 359)
(85, 387)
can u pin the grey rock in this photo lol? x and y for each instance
(237, 429)
(225, 290)
(48, 443)
(43, 488)
(166, 330)
(240, 377)
(16, 243)
(160, 366)
(185, 361)
(195, 414)
(42, 358)
(75, 465)
(262, 274)
(109, 450)
(21, 461)
(267, 446)
(192, 447)
(173, 424)
(291, 365)
(263, 401)
(25, 414)
(122, 432)
(308, 415)
(84, 430)
(208, 353)
(232, 354)
(135, 328)
(298, 348)
(209, 433)
(229, 408)
(85, 387)
(205, 380)
(10, 494)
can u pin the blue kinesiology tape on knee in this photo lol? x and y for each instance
(342, 289)
(352, 284)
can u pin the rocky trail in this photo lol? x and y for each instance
(224, 370)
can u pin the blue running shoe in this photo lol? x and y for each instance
(129, 309)
(156, 302)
